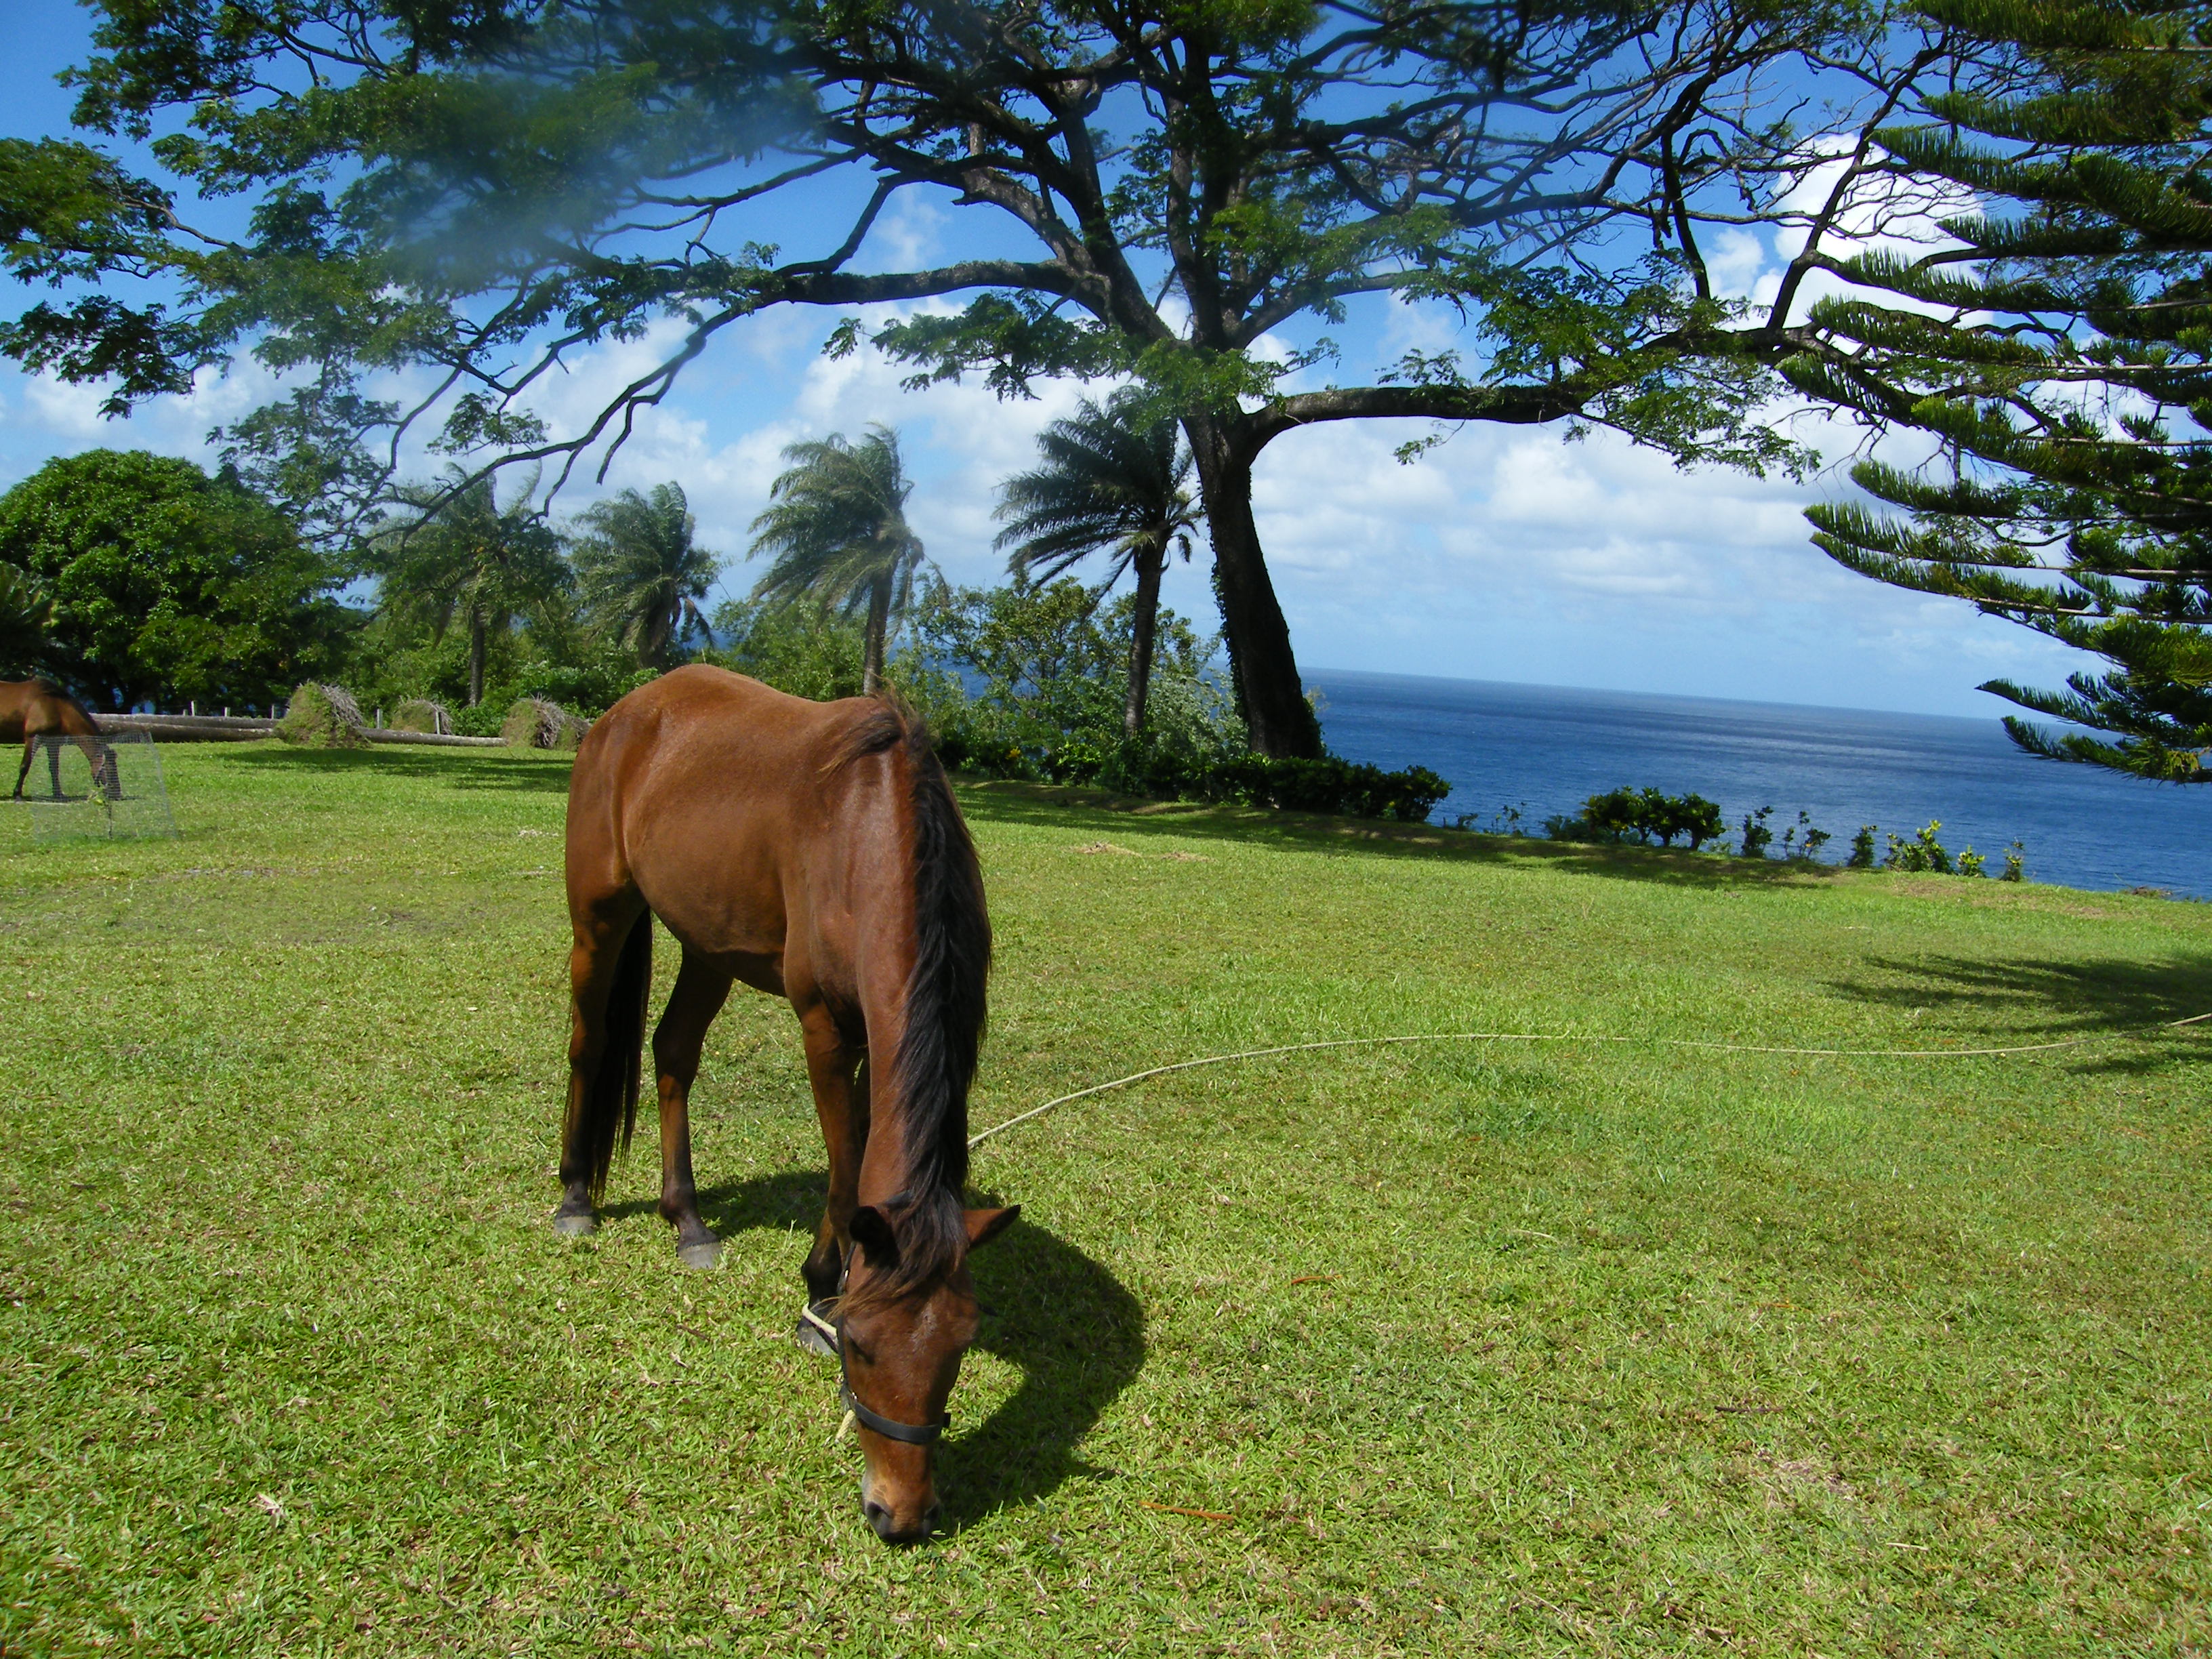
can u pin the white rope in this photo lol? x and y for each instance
(975, 1141)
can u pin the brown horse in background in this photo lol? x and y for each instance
(815, 852)
(31, 710)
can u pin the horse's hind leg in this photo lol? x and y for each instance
(30, 748)
(701, 990)
(604, 946)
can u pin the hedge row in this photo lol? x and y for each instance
(1327, 785)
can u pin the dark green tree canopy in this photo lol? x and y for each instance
(26, 624)
(2058, 352)
(168, 585)
(478, 192)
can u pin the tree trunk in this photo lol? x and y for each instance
(1151, 562)
(1268, 691)
(476, 658)
(879, 615)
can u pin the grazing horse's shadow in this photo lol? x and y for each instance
(1072, 1330)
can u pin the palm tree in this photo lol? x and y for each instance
(836, 528)
(27, 617)
(1109, 485)
(641, 572)
(462, 558)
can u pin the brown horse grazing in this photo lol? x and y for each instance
(31, 710)
(814, 851)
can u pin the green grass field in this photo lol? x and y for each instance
(1514, 1348)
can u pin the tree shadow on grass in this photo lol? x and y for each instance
(541, 771)
(1087, 810)
(2134, 1002)
(1072, 1330)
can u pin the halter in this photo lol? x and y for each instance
(911, 1434)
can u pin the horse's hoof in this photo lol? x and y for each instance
(811, 1336)
(571, 1224)
(700, 1258)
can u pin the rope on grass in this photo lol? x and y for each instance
(975, 1141)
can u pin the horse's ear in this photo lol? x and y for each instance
(984, 1225)
(871, 1232)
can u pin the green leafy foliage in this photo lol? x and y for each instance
(1643, 815)
(1051, 663)
(168, 585)
(460, 560)
(26, 620)
(793, 648)
(1112, 482)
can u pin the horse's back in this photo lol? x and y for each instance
(33, 707)
(704, 732)
(704, 790)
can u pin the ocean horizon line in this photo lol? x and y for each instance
(1311, 674)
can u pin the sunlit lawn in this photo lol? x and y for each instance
(1469, 1347)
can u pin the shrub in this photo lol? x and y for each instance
(1757, 837)
(1861, 856)
(1971, 863)
(322, 717)
(2016, 864)
(536, 723)
(1812, 839)
(794, 649)
(421, 714)
(1644, 815)
(1923, 851)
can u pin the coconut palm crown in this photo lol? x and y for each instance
(835, 528)
(1110, 484)
(461, 557)
(641, 573)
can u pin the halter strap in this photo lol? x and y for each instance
(911, 1434)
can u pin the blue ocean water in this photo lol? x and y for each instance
(1546, 749)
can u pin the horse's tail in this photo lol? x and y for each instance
(610, 1099)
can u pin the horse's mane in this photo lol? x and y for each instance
(935, 1060)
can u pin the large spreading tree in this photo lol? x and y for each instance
(465, 194)
(161, 584)
(2054, 350)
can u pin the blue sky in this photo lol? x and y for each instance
(1503, 554)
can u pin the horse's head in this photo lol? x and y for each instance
(901, 1357)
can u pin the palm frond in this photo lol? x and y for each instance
(1106, 485)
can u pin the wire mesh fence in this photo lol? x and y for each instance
(102, 788)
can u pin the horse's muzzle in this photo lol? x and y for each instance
(892, 1530)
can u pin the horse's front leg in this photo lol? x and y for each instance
(30, 748)
(841, 1103)
(701, 990)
